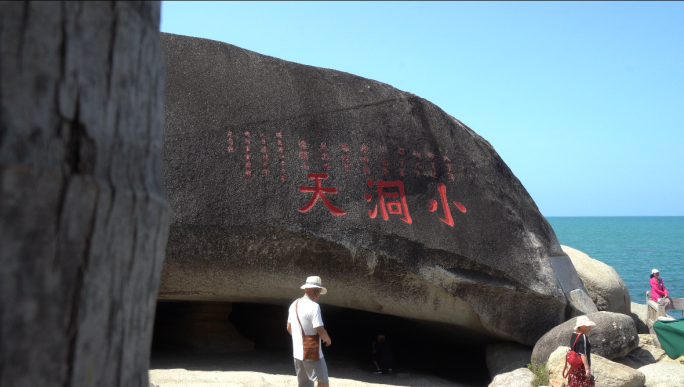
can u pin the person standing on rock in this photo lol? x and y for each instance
(659, 292)
(305, 324)
(581, 377)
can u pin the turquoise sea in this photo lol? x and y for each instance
(632, 246)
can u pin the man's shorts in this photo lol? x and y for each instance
(309, 371)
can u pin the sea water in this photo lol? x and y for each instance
(633, 246)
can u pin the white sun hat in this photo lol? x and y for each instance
(583, 321)
(314, 282)
(654, 271)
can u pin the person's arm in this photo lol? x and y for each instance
(665, 292)
(324, 335)
(289, 328)
(586, 365)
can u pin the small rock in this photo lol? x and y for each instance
(648, 339)
(665, 372)
(506, 357)
(522, 377)
(606, 372)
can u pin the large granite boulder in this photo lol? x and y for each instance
(613, 336)
(606, 288)
(83, 210)
(661, 373)
(520, 377)
(277, 171)
(506, 357)
(606, 372)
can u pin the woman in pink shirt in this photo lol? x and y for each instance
(659, 292)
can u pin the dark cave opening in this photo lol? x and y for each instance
(418, 347)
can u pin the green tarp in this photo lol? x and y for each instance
(671, 336)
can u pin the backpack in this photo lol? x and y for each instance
(573, 358)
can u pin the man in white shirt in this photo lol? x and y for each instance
(308, 312)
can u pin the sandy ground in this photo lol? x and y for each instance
(266, 369)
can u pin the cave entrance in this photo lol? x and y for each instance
(206, 329)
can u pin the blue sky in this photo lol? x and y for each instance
(583, 100)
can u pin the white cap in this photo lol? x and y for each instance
(583, 321)
(654, 271)
(314, 282)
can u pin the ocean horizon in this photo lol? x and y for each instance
(632, 245)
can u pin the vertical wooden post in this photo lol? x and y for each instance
(83, 210)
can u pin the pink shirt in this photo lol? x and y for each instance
(658, 289)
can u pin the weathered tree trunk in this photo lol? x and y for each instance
(83, 210)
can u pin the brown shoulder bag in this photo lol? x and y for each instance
(310, 342)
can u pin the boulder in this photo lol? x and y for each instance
(83, 210)
(606, 288)
(506, 357)
(521, 377)
(613, 336)
(606, 372)
(663, 373)
(668, 384)
(277, 171)
(640, 315)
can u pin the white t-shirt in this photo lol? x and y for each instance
(310, 316)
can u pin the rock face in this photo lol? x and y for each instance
(580, 303)
(83, 210)
(640, 314)
(606, 372)
(606, 288)
(506, 357)
(521, 377)
(277, 171)
(613, 336)
(661, 373)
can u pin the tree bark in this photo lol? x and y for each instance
(83, 210)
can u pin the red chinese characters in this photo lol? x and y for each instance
(281, 156)
(264, 155)
(366, 167)
(303, 154)
(387, 207)
(248, 162)
(319, 192)
(431, 157)
(448, 219)
(345, 156)
(230, 142)
(447, 163)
